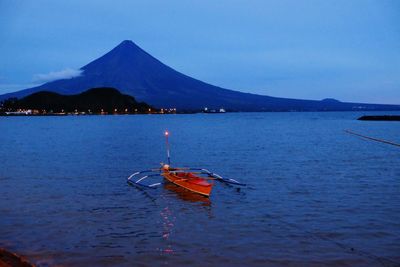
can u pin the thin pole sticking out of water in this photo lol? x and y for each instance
(166, 139)
(373, 139)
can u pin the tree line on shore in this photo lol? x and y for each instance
(102, 100)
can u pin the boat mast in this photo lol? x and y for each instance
(166, 139)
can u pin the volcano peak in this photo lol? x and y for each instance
(137, 73)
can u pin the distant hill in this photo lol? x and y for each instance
(137, 73)
(96, 100)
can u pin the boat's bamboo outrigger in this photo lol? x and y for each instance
(197, 180)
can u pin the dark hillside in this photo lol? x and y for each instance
(96, 100)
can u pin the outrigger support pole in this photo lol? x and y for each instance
(139, 181)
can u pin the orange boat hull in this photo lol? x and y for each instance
(190, 182)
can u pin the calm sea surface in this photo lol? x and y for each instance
(316, 196)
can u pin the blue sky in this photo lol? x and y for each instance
(348, 50)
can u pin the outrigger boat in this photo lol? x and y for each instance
(197, 180)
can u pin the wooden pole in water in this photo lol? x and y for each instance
(167, 143)
(373, 139)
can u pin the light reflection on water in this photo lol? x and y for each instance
(315, 196)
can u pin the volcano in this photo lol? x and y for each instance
(134, 72)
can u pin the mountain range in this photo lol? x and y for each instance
(134, 72)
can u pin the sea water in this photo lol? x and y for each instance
(315, 195)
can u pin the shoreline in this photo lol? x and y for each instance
(2, 114)
(10, 259)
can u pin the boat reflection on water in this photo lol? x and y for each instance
(168, 223)
(186, 195)
(169, 219)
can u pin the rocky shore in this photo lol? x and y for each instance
(9, 259)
